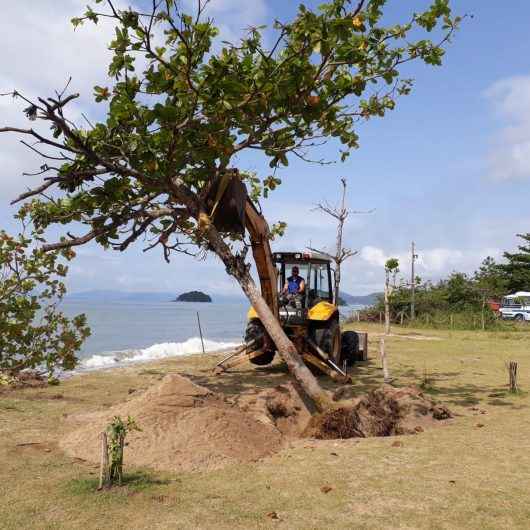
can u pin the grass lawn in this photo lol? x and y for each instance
(472, 473)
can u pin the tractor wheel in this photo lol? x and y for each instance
(256, 332)
(350, 347)
(331, 341)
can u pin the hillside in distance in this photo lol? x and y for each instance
(366, 299)
(101, 295)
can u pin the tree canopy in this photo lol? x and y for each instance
(181, 109)
(516, 271)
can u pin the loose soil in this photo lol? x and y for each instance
(187, 427)
(385, 411)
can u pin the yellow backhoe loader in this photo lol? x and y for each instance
(312, 323)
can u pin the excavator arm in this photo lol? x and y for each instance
(258, 230)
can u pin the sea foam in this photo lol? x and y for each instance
(154, 352)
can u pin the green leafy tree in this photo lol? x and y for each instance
(517, 269)
(180, 113)
(490, 281)
(33, 332)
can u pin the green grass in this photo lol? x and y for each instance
(472, 473)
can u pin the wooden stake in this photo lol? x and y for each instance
(512, 369)
(386, 375)
(200, 331)
(120, 463)
(104, 465)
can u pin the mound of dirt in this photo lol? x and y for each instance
(185, 427)
(385, 411)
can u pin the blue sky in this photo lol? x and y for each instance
(449, 168)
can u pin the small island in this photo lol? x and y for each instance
(193, 296)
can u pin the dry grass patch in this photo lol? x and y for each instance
(456, 476)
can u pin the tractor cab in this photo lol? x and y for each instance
(314, 270)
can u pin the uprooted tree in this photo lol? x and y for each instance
(180, 112)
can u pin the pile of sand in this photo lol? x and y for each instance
(386, 411)
(184, 428)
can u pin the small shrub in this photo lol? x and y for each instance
(117, 431)
(33, 332)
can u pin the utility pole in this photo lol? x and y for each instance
(414, 256)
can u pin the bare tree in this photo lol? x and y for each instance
(341, 214)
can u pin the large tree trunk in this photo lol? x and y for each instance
(236, 267)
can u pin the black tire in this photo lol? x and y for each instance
(350, 347)
(256, 332)
(519, 317)
(331, 341)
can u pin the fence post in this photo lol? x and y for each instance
(104, 464)
(512, 369)
(382, 353)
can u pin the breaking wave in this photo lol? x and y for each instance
(154, 352)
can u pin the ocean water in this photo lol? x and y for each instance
(125, 332)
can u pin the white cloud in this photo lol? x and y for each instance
(232, 17)
(510, 155)
(44, 52)
(432, 263)
(374, 256)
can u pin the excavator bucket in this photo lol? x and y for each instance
(227, 202)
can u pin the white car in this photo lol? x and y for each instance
(516, 306)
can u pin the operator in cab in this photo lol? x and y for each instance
(294, 288)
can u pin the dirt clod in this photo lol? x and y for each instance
(385, 411)
(326, 489)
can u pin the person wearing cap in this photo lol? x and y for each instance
(294, 287)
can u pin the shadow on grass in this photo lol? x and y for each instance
(249, 380)
(152, 371)
(132, 482)
(7, 404)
